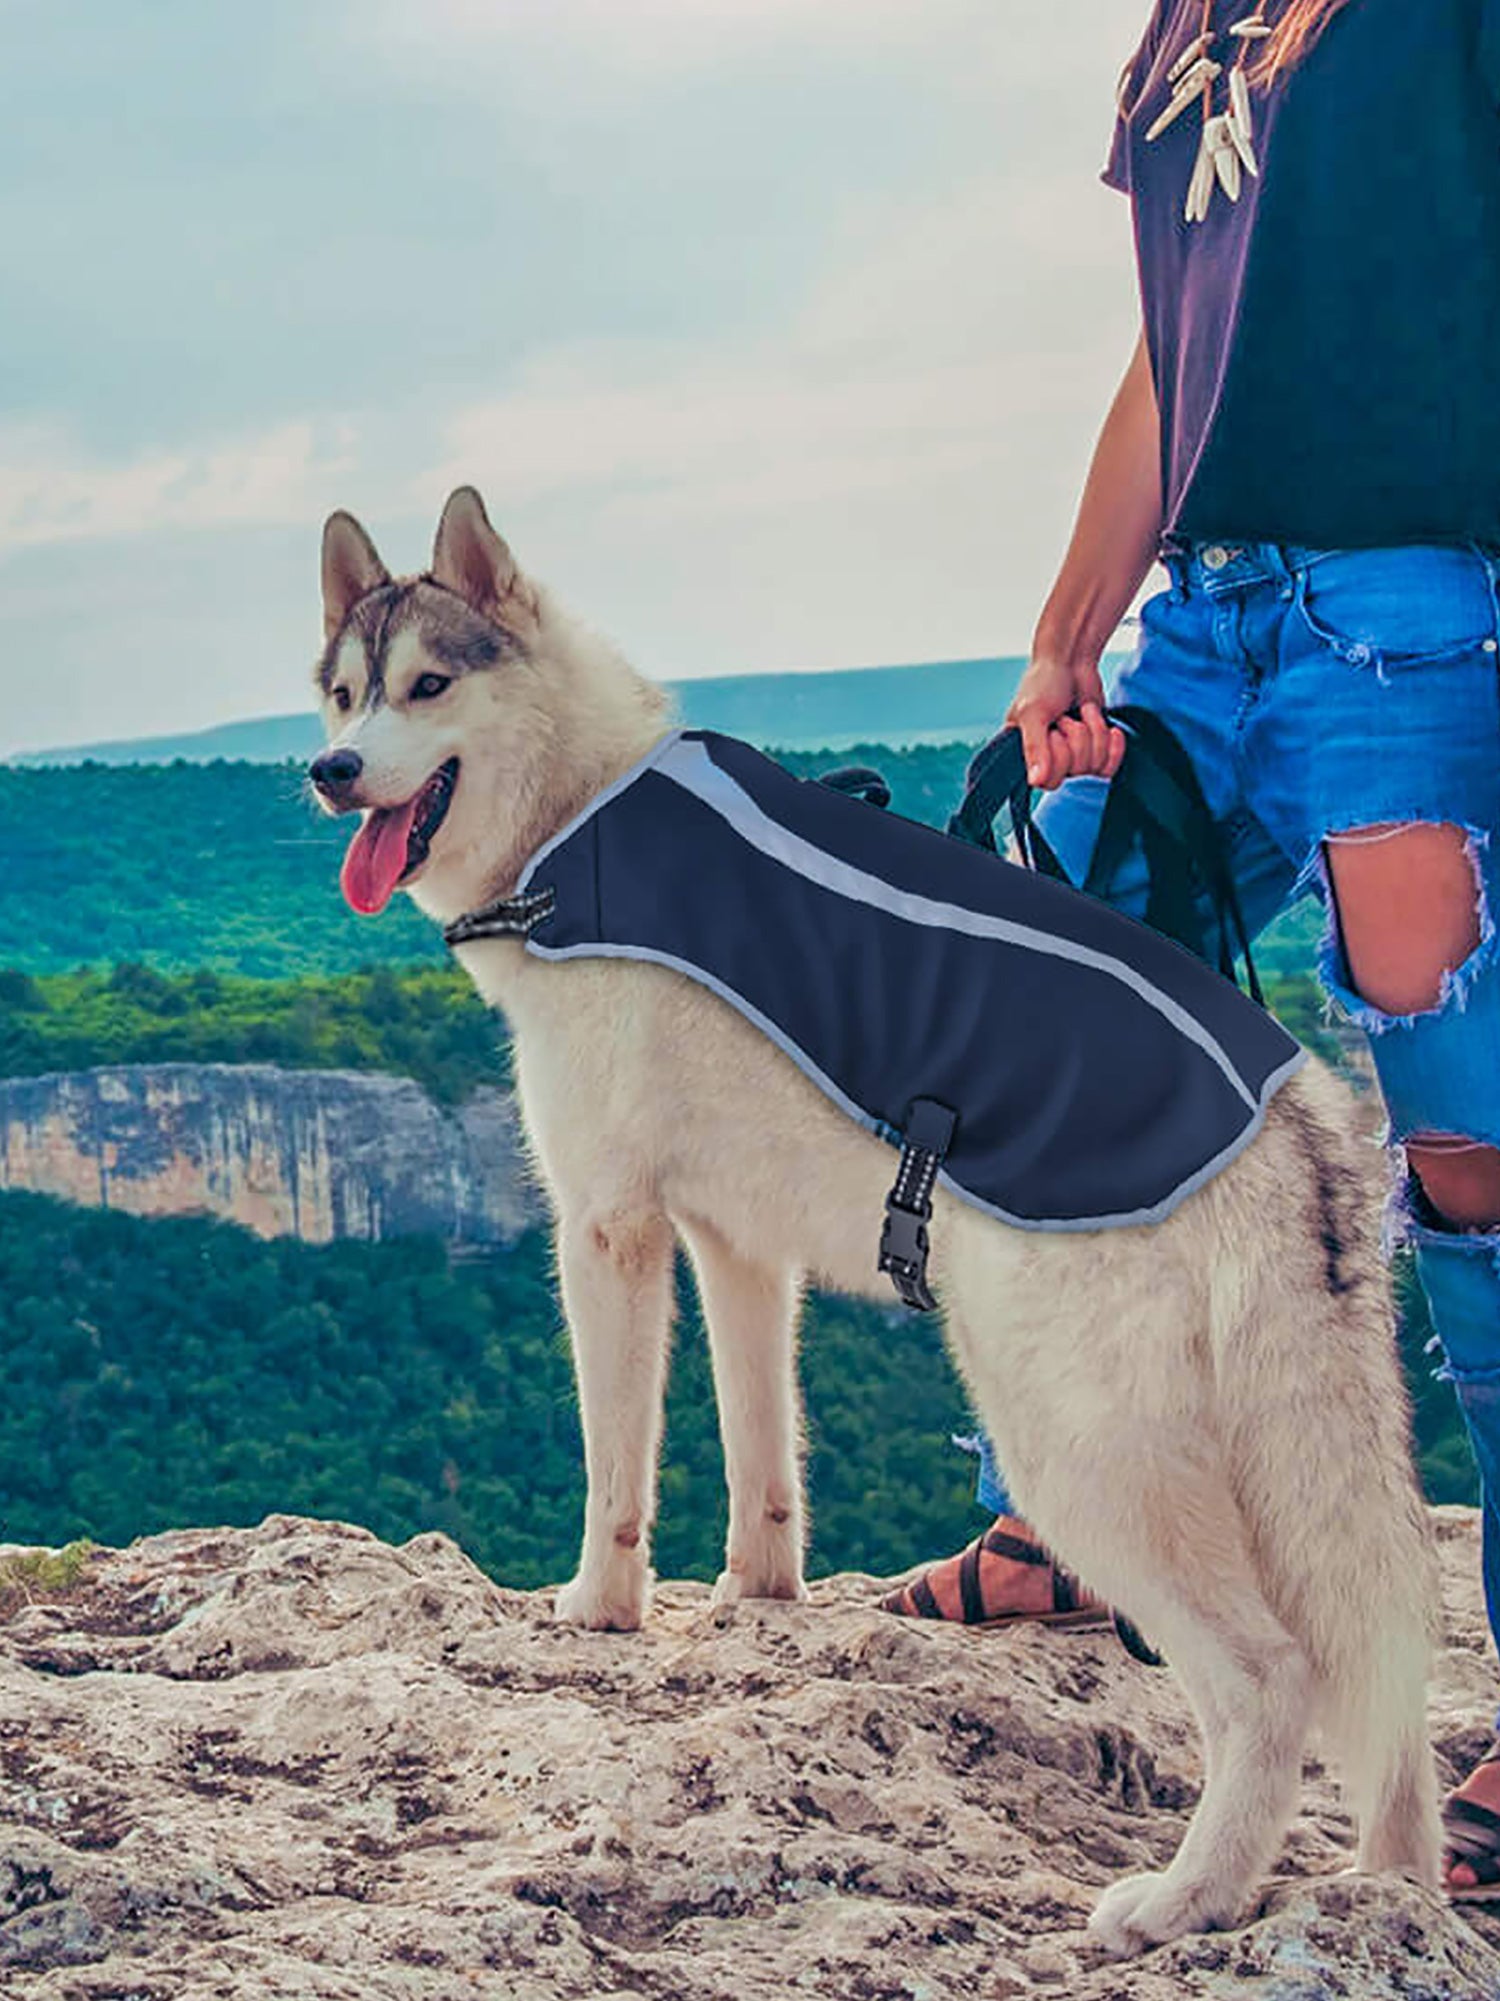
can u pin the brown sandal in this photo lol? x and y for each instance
(1072, 1606)
(1472, 1837)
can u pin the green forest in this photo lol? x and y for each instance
(180, 1371)
(224, 866)
(173, 1372)
(425, 1022)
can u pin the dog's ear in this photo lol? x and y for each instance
(351, 569)
(470, 558)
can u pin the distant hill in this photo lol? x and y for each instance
(941, 701)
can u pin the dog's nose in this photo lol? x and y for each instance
(335, 771)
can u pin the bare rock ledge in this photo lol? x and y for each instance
(293, 1762)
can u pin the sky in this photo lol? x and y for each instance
(776, 333)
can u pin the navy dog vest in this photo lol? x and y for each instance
(1099, 1072)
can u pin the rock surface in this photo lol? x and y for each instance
(293, 1762)
(315, 1154)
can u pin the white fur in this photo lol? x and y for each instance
(1201, 1424)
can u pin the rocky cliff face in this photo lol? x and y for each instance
(251, 1765)
(315, 1154)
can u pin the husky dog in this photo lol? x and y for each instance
(1204, 1417)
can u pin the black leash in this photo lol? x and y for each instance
(1154, 796)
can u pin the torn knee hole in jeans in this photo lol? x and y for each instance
(1455, 982)
(1453, 1201)
(1412, 1203)
(1410, 1218)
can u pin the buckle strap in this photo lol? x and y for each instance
(968, 1586)
(1457, 1812)
(506, 917)
(908, 1206)
(999, 1543)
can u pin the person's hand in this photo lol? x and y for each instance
(1059, 745)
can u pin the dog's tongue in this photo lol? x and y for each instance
(376, 857)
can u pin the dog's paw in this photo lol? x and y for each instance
(1142, 1911)
(615, 1605)
(736, 1585)
(1113, 1920)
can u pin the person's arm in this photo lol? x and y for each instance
(1114, 544)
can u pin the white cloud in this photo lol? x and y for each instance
(50, 491)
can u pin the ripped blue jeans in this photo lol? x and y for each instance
(1319, 691)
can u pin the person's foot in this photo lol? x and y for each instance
(1002, 1576)
(1471, 1815)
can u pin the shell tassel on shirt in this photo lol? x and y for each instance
(1226, 151)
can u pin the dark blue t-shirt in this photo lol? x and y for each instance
(1326, 351)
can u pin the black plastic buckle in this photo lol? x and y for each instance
(903, 1253)
(903, 1241)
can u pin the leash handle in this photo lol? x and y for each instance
(1164, 789)
(996, 779)
(1155, 794)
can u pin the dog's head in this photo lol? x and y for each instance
(428, 687)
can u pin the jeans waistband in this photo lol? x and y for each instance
(1215, 568)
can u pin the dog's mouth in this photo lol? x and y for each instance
(393, 843)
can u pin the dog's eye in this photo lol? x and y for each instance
(426, 686)
(341, 700)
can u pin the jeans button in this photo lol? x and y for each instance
(1215, 558)
(1360, 654)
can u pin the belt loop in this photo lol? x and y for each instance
(1177, 568)
(1294, 586)
(1490, 557)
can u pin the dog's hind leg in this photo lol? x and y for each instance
(1249, 1682)
(1113, 1455)
(615, 1267)
(1342, 1540)
(751, 1310)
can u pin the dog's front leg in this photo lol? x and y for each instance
(616, 1273)
(751, 1311)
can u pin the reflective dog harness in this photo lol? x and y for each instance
(1052, 1062)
